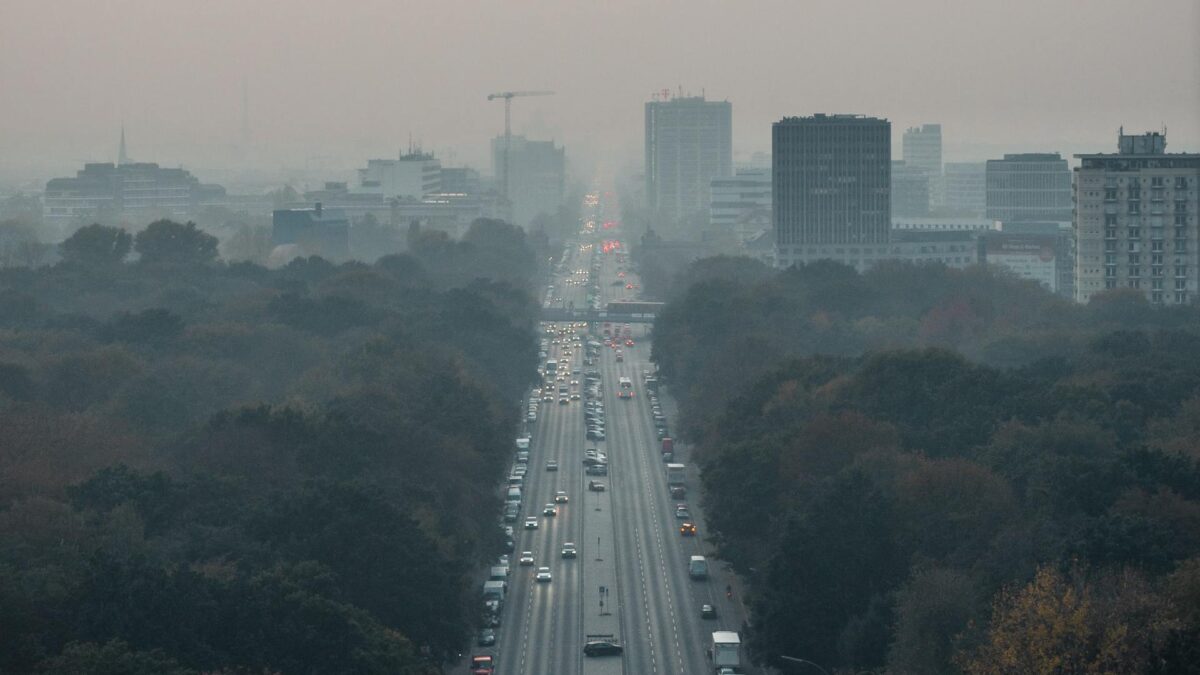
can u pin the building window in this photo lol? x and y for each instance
(1156, 259)
(1135, 233)
(1110, 219)
(1134, 258)
(1156, 297)
(1110, 271)
(1181, 284)
(1181, 270)
(1135, 283)
(1110, 259)
(1181, 298)
(1110, 283)
(1156, 284)
(1135, 271)
(1156, 245)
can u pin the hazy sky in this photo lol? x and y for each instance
(332, 83)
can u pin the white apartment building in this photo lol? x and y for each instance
(1136, 221)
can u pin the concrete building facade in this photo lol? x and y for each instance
(831, 183)
(538, 176)
(1136, 221)
(689, 142)
(413, 174)
(921, 148)
(737, 202)
(965, 188)
(138, 192)
(1025, 188)
(911, 190)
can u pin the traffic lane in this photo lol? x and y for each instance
(649, 600)
(652, 539)
(687, 593)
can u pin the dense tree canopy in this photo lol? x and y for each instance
(225, 468)
(924, 470)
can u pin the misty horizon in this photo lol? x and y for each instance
(998, 79)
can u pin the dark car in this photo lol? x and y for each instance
(602, 648)
(595, 486)
(487, 637)
(708, 612)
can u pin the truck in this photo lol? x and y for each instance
(698, 567)
(724, 651)
(494, 590)
(675, 474)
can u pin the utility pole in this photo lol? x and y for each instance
(508, 96)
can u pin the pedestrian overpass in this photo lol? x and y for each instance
(595, 316)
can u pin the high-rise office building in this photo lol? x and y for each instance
(1029, 188)
(1136, 221)
(537, 176)
(966, 188)
(689, 142)
(922, 149)
(831, 182)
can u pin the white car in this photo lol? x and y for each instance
(531, 523)
(543, 574)
(526, 558)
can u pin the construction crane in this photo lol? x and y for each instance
(508, 96)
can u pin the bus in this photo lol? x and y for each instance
(625, 390)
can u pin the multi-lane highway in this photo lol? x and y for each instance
(630, 578)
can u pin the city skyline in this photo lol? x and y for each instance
(994, 80)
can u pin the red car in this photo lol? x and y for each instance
(687, 530)
(629, 343)
(483, 665)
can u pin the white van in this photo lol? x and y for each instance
(514, 495)
(698, 567)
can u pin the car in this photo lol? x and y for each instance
(560, 497)
(708, 612)
(596, 486)
(574, 396)
(483, 665)
(686, 530)
(548, 397)
(550, 511)
(682, 512)
(531, 523)
(678, 492)
(543, 574)
(569, 551)
(564, 400)
(486, 637)
(593, 460)
(503, 559)
(603, 647)
(526, 558)
(491, 619)
(552, 465)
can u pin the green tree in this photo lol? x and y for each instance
(114, 657)
(97, 245)
(172, 243)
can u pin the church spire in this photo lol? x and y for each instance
(122, 157)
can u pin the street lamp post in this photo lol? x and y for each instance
(794, 659)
